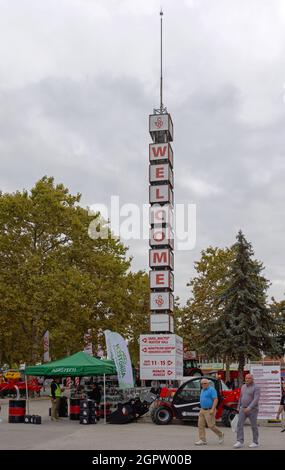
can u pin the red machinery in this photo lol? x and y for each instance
(191, 368)
(8, 387)
(221, 374)
(184, 403)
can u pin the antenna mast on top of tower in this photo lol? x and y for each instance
(161, 109)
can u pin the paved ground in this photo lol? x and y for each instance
(66, 434)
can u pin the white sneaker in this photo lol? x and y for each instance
(200, 443)
(221, 439)
(238, 444)
(253, 444)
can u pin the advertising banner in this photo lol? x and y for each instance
(268, 378)
(161, 258)
(117, 350)
(161, 357)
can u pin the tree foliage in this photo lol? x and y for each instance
(207, 286)
(54, 277)
(245, 327)
(228, 315)
(278, 313)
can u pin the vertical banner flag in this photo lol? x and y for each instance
(88, 343)
(46, 346)
(108, 344)
(117, 349)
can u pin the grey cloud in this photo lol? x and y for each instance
(86, 121)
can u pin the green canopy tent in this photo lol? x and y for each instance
(77, 365)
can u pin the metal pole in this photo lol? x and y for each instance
(161, 104)
(104, 399)
(27, 394)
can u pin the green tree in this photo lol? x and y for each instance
(278, 313)
(54, 276)
(137, 306)
(203, 306)
(246, 327)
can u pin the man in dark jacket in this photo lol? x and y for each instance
(95, 394)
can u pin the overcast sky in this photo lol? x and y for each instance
(78, 79)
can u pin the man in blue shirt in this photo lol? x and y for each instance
(208, 402)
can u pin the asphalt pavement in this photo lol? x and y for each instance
(141, 435)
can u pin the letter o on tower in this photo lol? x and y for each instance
(158, 236)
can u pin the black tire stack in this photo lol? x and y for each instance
(33, 419)
(28, 419)
(63, 408)
(17, 411)
(87, 412)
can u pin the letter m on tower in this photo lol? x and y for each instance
(160, 257)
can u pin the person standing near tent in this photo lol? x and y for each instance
(95, 394)
(55, 391)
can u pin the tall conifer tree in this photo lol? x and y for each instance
(246, 328)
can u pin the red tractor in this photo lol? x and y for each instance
(191, 368)
(184, 403)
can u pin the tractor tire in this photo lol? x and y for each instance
(163, 415)
(195, 372)
(153, 415)
(227, 416)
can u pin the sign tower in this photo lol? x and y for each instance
(161, 351)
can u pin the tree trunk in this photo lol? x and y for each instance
(228, 373)
(241, 364)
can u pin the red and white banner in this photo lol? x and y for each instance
(159, 152)
(161, 356)
(161, 301)
(268, 378)
(161, 279)
(161, 222)
(161, 193)
(161, 214)
(161, 122)
(161, 258)
(161, 236)
(161, 172)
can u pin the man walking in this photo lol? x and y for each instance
(55, 398)
(248, 408)
(208, 403)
